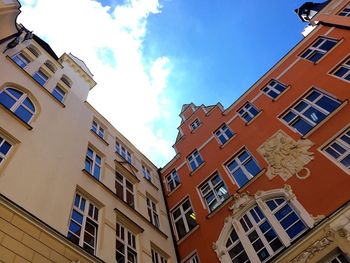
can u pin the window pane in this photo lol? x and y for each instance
(302, 126)
(314, 115)
(74, 228)
(5, 147)
(77, 217)
(252, 167)
(6, 100)
(73, 238)
(240, 177)
(341, 72)
(295, 229)
(346, 161)
(16, 93)
(327, 104)
(327, 45)
(23, 114)
(29, 104)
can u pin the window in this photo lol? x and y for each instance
(184, 218)
(274, 89)
(195, 124)
(214, 192)
(339, 149)
(125, 246)
(248, 112)
(93, 163)
(224, 133)
(345, 11)
(123, 152)
(287, 217)
(195, 160)
(157, 257)
(124, 189)
(318, 49)
(59, 93)
(21, 60)
(235, 248)
(310, 111)
(40, 77)
(50, 66)
(152, 212)
(338, 258)
(193, 259)
(96, 128)
(243, 167)
(173, 180)
(146, 173)
(260, 233)
(66, 81)
(83, 225)
(17, 102)
(343, 71)
(5, 148)
(33, 50)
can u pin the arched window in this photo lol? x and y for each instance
(66, 81)
(17, 102)
(235, 248)
(50, 66)
(33, 50)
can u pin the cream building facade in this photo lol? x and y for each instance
(72, 188)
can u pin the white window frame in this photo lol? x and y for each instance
(3, 155)
(345, 11)
(310, 104)
(128, 240)
(195, 124)
(345, 65)
(213, 188)
(42, 75)
(152, 212)
(146, 173)
(193, 259)
(125, 184)
(171, 181)
(341, 143)
(235, 243)
(241, 165)
(224, 133)
(93, 162)
(19, 102)
(90, 213)
(157, 257)
(196, 159)
(271, 88)
(21, 60)
(97, 128)
(123, 152)
(182, 217)
(60, 91)
(248, 110)
(309, 53)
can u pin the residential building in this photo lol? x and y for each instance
(72, 187)
(267, 179)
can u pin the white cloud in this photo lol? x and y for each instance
(132, 98)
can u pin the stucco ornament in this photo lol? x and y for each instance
(285, 156)
(240, 200)
(312, 250)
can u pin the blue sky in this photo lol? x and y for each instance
(150, 57)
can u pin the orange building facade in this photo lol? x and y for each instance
(267, 179)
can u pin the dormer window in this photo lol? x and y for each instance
(195, 124)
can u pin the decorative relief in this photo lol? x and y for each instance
(316, 247)
(342, 224)
(285, 156)
(240, 200)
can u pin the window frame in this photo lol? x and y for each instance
(86, 217)
(194, 258)
(271, 88)
(4, 156)
(344, 65)
(312, 50)
(299, 115)
(21, 59)
(170, 179)
(195, 124)
(146, 172)
(246, 114)
(123, 152)
(152, 212)
(93, 163)
(192, 159)
(157, 257)
(224, 132)
(128, 239)
(98, 128)
(182, 217)
(344, 12)
(42, 77)
(241, 166)
(125, 184)
(213, 189)
(56, 90)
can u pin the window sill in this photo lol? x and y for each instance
(255, 117)
(172, 191)
(178, 242)
(280, 95)
(227, 142)
(125, 203)
(152, 184)
(198, 168)
(342, 105)
(41, 86)
(17, 118)
(262, 171)
(103, 140)
(216, 210)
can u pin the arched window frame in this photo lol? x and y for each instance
(25, 94)
(50, 66)
(33, 50)
(67, 81)
(242, 204)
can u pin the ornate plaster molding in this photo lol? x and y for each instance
(315, 248)
(240, 201)
(285, 156)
